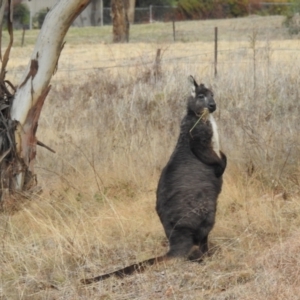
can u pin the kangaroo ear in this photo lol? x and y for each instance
(192, 80)
(194, 85)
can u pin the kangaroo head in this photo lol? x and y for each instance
(201, 99)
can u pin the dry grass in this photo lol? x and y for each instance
(113, 130)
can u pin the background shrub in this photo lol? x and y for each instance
(21, 16)
(40, 17)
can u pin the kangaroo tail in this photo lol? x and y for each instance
(135, 268)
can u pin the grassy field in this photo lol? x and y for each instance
(114, 124)
(192, 31)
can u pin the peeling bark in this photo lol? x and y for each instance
(17, 158)
(34, 66)
(29, 140)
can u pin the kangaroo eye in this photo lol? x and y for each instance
(201, 96)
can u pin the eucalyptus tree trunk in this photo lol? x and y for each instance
(18, 139)
(120, 21)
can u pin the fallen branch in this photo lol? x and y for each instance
(39, 143)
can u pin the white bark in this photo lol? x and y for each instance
(46, 52)
(34, 86)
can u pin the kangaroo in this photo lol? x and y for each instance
(192, 179)
(189, 185)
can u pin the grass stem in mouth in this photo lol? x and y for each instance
(202, 116)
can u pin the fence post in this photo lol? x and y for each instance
(23, 36)
(216, 51)
(101, 12)
(174, 34)
(150, 14)
(157, 66)
(30, 18)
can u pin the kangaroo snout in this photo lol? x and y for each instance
(212, 107)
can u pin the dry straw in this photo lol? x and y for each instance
(113, 132)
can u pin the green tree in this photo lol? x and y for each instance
(147, 3)
(40, 17)
(295, 7)
(21, 15)
(212, 8)
(292, 20)
(195, 8)
(237, 8)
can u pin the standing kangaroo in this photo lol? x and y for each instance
(189, 185)
(192, 179)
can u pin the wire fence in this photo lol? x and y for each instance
(233, 49)
(143, 15)
(100, 16)
(270, 28)
(155, 13)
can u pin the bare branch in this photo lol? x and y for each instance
(39, 143)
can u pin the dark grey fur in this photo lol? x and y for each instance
(188, 188)
(191, 182)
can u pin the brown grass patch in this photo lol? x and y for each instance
(113, 133)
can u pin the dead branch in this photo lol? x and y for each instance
(39, 143)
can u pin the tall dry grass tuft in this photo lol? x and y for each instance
(125, 127)
(113, 131)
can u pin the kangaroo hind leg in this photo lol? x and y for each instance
(181, 242)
